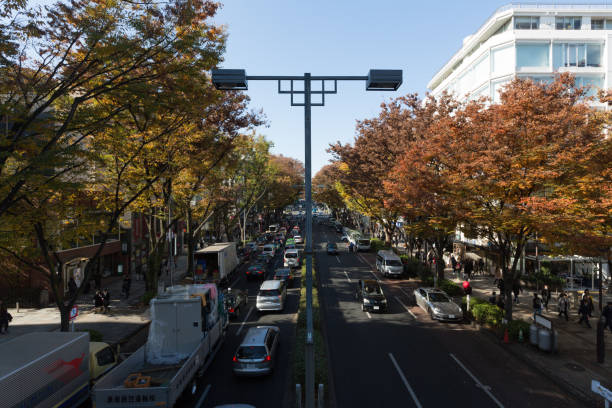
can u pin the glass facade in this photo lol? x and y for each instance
(576, 55)
(532, 55)
(593, 82)
(526, 23)
(568, 23)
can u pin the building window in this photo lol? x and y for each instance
(532, 55)
(593, 83)
(526, 23)
(576, 55)
(608, 24)
(597, 24)
(568, 23)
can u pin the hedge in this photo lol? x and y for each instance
(515, 326)
(486, 313)
(413, 267)
(378, 244)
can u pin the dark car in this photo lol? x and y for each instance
(234, 300)
(257, 271)
(332, 248)
(285, 275)
(371, 296)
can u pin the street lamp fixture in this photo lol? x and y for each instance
(376, 80)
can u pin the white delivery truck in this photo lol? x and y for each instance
(51, 369)
(216, 263)
(188, 325)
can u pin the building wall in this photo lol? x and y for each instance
(499, 52)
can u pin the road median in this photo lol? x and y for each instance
(321, 365)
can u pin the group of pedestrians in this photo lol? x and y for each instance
(102, 301)
(585, 309)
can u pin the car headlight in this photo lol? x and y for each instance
(366, 301)
(437, 311)
(383, 301)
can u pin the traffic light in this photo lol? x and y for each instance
(467, 288)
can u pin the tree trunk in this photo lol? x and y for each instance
(190, 242)
(65, 318)
(440, 261)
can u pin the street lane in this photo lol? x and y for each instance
(219, 382)
(361, 348)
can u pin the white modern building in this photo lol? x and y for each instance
(531, 41)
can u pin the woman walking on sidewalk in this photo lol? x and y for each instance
(537, 305)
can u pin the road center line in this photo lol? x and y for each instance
(244, 321)
(405, 381)
(347, 276)
(369, 315)
(203, 397)
(478, 383)
(405, 307)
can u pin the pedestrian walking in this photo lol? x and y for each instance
(480, 266)
(537, 305)
(583, 311)
(72, 287)
(516, 289)
(607, 314)
(546, 296)
(351, 247)
(453, 262)
(457, 268)
(106, 300)
(493, 298)
(589, 300)
(468, 268)
(127, 282)
(498, 275)
(501, 285)
(98, 301)
(5, 318)
(563, 305)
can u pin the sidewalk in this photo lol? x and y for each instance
(125, 318)
(575, 364)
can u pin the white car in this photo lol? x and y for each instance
(438, 305)
(298, 239)
(269, 250)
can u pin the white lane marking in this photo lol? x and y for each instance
(369, 315)
(338, 259)
(405, 307)
(405, 381)
(405, 293)
(234, 282)
(478, 383)
(347, 277)
(203, 397)
(244, 321)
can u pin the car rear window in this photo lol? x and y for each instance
(251, 352)
(291, 255)
(269, 292)
(393, 262)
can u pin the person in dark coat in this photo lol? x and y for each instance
(607, 314)
(72, 287)
(516, 289)
(589, 300)
(583, 311)
(563, 305)
(98, 301)
(546, 296)
(468, 267)
(106, 300)
(127, 282)
(5, 318)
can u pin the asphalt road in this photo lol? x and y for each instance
(219, 386)
(403, 359)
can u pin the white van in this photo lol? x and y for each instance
(389, 264)
(363, 244)
(292, 258)
(269, 250)
(271, 296)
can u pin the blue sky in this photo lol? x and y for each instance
(291, 37)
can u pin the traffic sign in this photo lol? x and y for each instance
(74, 312)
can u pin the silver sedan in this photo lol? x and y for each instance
(438, 305)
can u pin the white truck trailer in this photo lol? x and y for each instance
(187, 328)
(216, 263)
(45, 370)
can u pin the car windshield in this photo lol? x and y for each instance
(438, 297)
(373, 289)
(269, 292)
(283, 272)
(251, 352)
(393, 262)
(364, 241)
(291, 255)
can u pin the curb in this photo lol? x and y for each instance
(569, 387)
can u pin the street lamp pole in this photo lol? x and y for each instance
(376, 80)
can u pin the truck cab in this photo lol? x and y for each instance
(102, 358)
